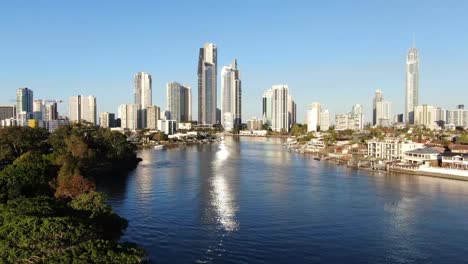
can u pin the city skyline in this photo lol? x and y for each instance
(364, 64)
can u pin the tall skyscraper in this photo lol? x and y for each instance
(412, 84)
(313, 117)
(179, 102)
(267, 106)
(384, 113)
(24, 101)
(82, 108)
(38, 109)
(143, 95)
(207, 91)
(280, 115)
(378, 97)
(231, 97)
(382, 110)
(292, 110)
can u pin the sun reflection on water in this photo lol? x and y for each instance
(223, 201)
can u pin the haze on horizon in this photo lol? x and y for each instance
(335, 52)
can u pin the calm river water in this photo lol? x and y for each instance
(250, 201)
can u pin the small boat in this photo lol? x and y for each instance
(159, 147)
(317, 158)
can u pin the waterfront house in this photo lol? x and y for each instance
(421, 155)
(453, 160)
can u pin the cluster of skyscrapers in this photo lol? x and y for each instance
(31, 112)
(278, 107)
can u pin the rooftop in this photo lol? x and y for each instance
(423, 151)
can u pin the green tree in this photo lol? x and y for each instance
(15, 141)
(30, 175)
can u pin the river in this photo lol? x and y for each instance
(249, 201)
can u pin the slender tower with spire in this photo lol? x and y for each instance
(412, 83)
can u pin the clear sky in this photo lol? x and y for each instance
(333, 52)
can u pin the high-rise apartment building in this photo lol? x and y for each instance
(207, 84)
(38, 109)
(280, 114)
(143, 96)
(313, 117)
(292, 111)
(24, 101)
(378, 97)
(412, 84)
(383, 113)
(381, 110)
(82, 108)
(51, 111)
(324, 120)
(7, 112)
(129, 115)
(179, 102)
(106, 120)
(153, 114)
(267, 107)
(353, 120)
(425, 115)
(231, 97)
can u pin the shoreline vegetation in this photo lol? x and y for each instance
(50, 211)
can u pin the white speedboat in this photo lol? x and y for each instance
(159, 147)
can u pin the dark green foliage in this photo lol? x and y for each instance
(29, 176)
(15, 141)
(45, 230)
(77, 226)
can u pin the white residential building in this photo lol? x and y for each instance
(254, 124)
(106, 120)
(425, 115)
(129, 115)
(153, 114)
(231, 97)
(143, 94)
(353, 120)
(280, 114)
(82, 108)
(324, 120)
(313, 117)
(382, 110)
(390, 149)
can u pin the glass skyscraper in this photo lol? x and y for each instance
(207, 86)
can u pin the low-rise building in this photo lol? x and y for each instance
(254, 124)
(421, 155)
(453, 160)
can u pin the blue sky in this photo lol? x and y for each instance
(333, 52)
